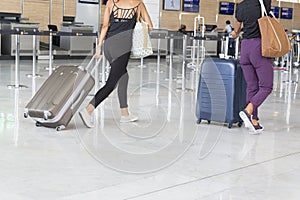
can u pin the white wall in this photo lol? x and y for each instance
(153, 7)
(88, 14)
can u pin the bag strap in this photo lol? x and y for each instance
(263, 8)
(138, 12)
(264, 11)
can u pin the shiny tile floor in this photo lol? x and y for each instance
(164, 155)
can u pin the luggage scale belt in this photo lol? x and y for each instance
(44, 33)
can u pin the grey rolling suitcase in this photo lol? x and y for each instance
(60, 96)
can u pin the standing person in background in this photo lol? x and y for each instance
(257, 70)
(120, 17)
(182, 29)
(228, 29)
(214, 29)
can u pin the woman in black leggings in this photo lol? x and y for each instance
(119, 20)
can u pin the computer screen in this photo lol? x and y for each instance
(286, 13)
(191, 5)
(226, 8)
(276, 11)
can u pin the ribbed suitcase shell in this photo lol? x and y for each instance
(221, 91)
(60, 96)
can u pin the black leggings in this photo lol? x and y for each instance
(117, 75)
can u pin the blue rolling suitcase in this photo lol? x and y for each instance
(221, 92)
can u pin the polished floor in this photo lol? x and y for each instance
(164, 155)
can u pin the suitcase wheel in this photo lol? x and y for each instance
(240, 124)
(59, 128)
(46, 115)
(230, 125)
(38, 124)
(25, 114)
(198, 121)
(208, 121)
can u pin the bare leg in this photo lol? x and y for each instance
(124, 112)
(90, 109)
(249, 110)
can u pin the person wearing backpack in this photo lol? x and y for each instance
(228, 29)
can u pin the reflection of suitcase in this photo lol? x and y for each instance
(221, 92)
(60, 96)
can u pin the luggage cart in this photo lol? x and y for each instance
(298, 49)
(195, 50)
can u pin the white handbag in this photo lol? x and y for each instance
(141, 44)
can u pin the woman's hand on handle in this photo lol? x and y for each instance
(98, 52)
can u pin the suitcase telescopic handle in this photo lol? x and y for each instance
(76, 102)
(91, 66)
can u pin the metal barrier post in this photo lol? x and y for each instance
(183, 71)
(170, 89)
(298, 50)
(17, 66)
(237, 44)
(171, 57)
(184, 62)
(17, 63)
(222, 46)
(142, 64)
(198, 54)
(276, 62)
(158, 52)
(34, 74)
(96, 71)
(34, 56)
(103, 69)
(226, 47)
(157, 71)
(158, 55)
(289, 82)
(50, 53)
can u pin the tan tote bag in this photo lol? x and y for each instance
(275, 42)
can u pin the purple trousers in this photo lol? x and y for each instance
(258, 72)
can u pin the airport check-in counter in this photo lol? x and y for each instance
(26, 41)
(77, 46)
(211, 44)
(155, 36)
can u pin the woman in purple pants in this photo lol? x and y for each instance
(257, 70)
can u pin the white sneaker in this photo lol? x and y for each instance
(86, 118)
(247, 120)
(129, 118)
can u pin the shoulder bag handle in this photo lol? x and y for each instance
(264, 11)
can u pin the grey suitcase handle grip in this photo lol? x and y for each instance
(78, 99)
(90, 66)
